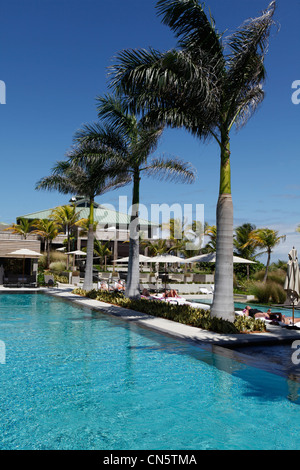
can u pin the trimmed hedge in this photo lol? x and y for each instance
(179, 313)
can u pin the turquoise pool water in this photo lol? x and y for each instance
(76, 379)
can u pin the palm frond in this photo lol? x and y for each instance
(191, 26)
(114, 111)
(245, 63)
(171, 89)
(171, 169)
(56, 183)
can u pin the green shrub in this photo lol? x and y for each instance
(269, 291)
(180, 313)
(41, 279)
(62, 279)
(57, 266)
(275, 275)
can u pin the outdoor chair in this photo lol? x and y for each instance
(105, 276)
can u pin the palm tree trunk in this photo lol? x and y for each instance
(68, 245)
(223, 305)
(48, 253)
(133, 275)
(88, 275)
(267, 266)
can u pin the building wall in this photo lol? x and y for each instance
(7, 246)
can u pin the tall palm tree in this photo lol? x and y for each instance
(132, 143)
(66, 216)
(267, 239)
(207, 85)
(88, 172)
(48, 230)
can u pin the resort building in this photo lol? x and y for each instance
(112, 226)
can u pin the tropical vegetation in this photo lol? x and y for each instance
(266, 239)
(48, 230)
(23, 227)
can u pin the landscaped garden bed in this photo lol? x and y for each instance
(179, 313)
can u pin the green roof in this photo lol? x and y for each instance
(102, 215)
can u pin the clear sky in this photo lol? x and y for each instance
(54, 58)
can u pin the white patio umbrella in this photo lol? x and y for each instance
(292, 280)
(142, 259)
(211, 258)
(24, 253)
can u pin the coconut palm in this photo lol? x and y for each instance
(66, 216)
(88, 172)
(132, 143)
(48, 230)
(208, 84)
(241, 248)
(23, 227)
(102, 251)
(83, 225)
(156, 247)
(267, 239)
(211, 246)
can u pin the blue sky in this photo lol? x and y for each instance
(54, 56)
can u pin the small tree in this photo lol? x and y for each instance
(48, 230)
(23, 228)
(267, 239)
(66, 216)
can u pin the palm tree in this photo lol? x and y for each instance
(48, 230)
(102, 251)
(131, 143)
(23, 227)
(83, 225)
(207, 85)
(242, 249)
(157, 247)
(211, 246)
(66, 216)
(88, 172)
(267, 239)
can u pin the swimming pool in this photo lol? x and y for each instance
(77, 379)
